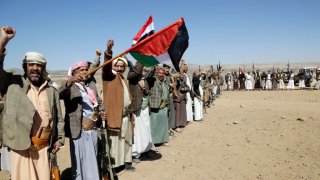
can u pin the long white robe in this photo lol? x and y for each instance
(198, 106)
(281, 84)
(302, 84)
(318, 84)
(291, 83)
(142, 135)
(268, 82)
(189, 100)
(248, 82)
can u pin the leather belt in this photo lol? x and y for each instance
(88, 124)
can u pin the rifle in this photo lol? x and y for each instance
(106, 170)
(55, 172)
(197, 96)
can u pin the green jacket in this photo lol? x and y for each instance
(16, 115)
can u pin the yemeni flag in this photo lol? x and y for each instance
(168, 44)
(146, 30)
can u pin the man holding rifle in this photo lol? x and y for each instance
(83, 106)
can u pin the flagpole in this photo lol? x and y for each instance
(105, 63)
(135, 46)
(110, 60)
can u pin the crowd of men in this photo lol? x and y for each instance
(134, 116)
(138, 111)
(272, 80)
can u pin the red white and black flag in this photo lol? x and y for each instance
(168, 44)
(146, 30)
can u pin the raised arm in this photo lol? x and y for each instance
(7, 33)
(107, 70)
(95, 63)
(134, 71)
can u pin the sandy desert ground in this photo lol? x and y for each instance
(245, 135)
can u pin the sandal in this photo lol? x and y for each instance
(166, 144)
(171, 133)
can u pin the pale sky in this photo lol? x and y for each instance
(232, 31)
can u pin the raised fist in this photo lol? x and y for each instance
(7, 32)
(110, 43)
(98, 52)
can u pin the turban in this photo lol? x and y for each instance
(120, 59)
(79, 64)
(34, 57)
(166, 65)
(76, 66)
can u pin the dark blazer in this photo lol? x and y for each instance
(73, 105)
(134, 76)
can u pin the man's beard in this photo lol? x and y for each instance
(161, 78)
(117, 72)
(35, 77)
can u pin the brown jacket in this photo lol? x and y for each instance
(112, 96)
(134, 76)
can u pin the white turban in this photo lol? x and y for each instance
(34, 57)
(120, 59)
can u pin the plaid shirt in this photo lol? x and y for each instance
(156, 92)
